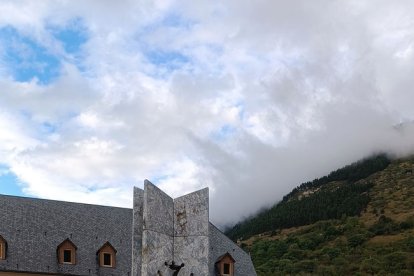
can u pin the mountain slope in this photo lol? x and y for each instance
(379, 239)
(329, 197)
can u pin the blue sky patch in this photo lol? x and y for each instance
(176, 20)
(170, 60)
(9, 183)
(158, 178)
(48, 128)
(25, 59)
(72, 36)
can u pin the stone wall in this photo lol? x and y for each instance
(137, 222)
(174, 230)
(179, 230)
(158, 231)
(191, 228)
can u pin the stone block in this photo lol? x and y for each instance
(157, 248)
(191, 214)
(193, 251)
(158, 210)
(137, 221)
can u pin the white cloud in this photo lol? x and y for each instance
(265, 96)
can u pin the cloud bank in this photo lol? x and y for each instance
(249, 99)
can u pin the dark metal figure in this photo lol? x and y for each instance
(174, 267)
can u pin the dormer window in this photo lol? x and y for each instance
(66, 252)
(3, 248)
(107, 255)
(67, 256)
(226, 269)
(225, 265)
(107, 259)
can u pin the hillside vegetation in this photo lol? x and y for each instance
(358, 223)
(329, 197)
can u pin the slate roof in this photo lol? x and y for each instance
(33, 228)
(220, 244)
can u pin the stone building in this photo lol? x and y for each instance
(159, 236)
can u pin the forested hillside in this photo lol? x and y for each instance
(329, 197)
(359, 225)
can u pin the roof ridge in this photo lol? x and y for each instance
(62, 201)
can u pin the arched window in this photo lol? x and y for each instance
(66, 252)
(107, 255)
(225, 265)
(3, 248)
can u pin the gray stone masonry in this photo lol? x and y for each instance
(191, 240)
(179, 230)
(157, 239)
(174, 230)
(138, 213)
(191, 214)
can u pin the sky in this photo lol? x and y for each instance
(248, 98)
